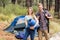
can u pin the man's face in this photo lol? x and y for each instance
(40, 7)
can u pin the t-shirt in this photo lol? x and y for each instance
(28, 17)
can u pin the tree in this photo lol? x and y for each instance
(50, 3)
(18, 1)
(41, 1)
(59, 9)
(47, 4)
(4, 2)
(57, 3)
(29, 3)
(13, 1)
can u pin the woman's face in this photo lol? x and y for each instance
(30, 11)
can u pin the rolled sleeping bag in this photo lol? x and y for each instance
(31, 22)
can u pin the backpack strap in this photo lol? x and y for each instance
(45, 13)
(47, 20)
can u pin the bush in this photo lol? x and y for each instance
(14, 9)
(1, 10)
(10, 11)
(35, 8)
(54, 26)
(3, 17)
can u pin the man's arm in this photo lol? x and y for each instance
(48, 15)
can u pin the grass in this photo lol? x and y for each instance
(54, 27)
(14, 9)
(2, 39)
(11, 11)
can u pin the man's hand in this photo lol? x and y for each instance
(48, 16)
(32, 28)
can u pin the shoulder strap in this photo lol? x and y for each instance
(44, 12)
(45, 16)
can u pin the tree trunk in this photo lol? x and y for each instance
(29, 3)
(13, 1)
(56, 5)
(39, 1)
(59, 9)
(3, 4)
(0, 3)
(50, 4)
(42, 2)
(47, 4)
(19, 1)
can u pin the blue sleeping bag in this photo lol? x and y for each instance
(20, 35)
(13, 25)
(31, 22)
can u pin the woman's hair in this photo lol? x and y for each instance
(31, 10)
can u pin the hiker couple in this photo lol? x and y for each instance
(41, 23)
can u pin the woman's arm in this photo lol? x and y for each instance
(25, 20)
(36, 20)
(35, 24)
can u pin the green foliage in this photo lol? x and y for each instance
(2, 39)
(55, 27)
(3, 17)
(35, 8)
(10, 11)
(14, 9)
(5, 1)
(1, 9)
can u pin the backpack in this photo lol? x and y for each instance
(47, 19)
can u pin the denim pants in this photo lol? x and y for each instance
(29, 32)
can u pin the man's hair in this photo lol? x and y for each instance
(40, 4)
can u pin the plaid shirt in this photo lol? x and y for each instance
(42, 19)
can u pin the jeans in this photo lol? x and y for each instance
(29, 32)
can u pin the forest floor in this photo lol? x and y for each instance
(54, 27)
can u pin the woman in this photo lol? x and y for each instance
(30, 30)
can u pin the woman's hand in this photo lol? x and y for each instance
(32, 28)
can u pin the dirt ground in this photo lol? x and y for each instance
(5, 35)
(8, 36)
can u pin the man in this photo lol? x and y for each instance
(42, 15)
